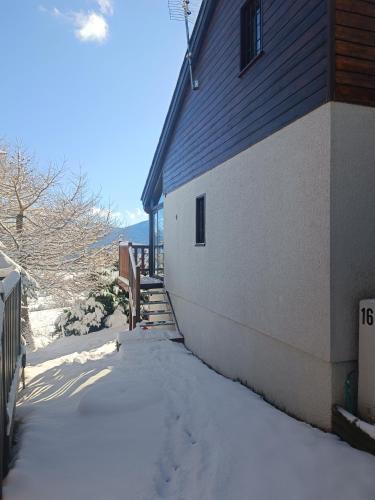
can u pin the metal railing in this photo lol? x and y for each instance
(12, 360)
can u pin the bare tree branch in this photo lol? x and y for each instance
(50, 224)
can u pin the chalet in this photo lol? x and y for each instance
(261, 196)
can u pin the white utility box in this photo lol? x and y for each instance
(366, 360)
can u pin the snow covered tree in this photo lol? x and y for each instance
(49, 225)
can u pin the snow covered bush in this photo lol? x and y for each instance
(104, 309)
(112, 297)
(116, 320)
(81, 319)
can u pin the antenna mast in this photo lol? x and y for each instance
(180, 10)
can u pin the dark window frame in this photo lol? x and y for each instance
(251, 19)
(200, 220)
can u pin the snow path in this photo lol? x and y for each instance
(154, 422)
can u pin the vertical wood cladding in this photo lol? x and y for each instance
(355, 51)
(229, 112)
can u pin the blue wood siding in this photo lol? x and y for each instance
(230, 113)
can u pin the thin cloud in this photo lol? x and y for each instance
(102, 212)
(105, 7)
(116, 218)
(134, 217)
(91, 27)
(53, 12)
(105, 212)
(56, 12)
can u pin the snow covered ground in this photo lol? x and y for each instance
(43, 326)
(154, 422)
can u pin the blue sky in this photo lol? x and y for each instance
(90, 81)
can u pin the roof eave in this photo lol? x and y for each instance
(183, 79)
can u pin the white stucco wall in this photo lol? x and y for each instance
(256, 302)
(353, 222)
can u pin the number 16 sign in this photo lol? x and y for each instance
(366, 365)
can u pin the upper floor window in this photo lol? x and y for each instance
(251, 31)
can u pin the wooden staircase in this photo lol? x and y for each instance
(149, 304)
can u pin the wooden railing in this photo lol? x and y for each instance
(12, 360)
(134, 262)
(141, 256)
(124, 260)
(134, 291)
(158, 264)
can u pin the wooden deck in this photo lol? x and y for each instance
(351, 433)
(146, 283)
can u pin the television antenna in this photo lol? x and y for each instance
(182, 10)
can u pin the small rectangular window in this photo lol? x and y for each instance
(200, 220)
(251, 31)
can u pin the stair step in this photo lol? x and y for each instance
(155, 313)
(157, 323)
(154, 291)
(155, 303)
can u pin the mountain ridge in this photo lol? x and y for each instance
(136, 233)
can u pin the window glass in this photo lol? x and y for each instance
(251, 31)
(158, 241)
(200, 220)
